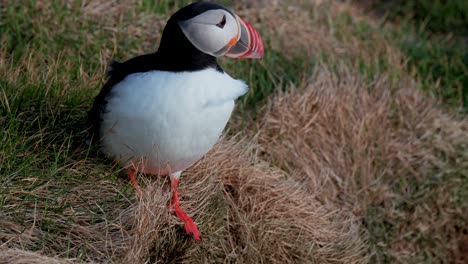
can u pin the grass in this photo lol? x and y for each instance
(336, 155)
(436, 16)
(432, 34)
(442, 61)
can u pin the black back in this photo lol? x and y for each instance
(175, 53)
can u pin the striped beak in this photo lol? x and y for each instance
(249, 43)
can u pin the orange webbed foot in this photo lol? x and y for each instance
(189, 225)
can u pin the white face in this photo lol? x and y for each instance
(212, 32)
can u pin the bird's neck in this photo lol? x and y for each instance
(184, 59)
(176, 53)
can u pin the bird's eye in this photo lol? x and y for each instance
(222, 22)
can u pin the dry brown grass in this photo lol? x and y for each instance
(374, 146)
(311, 29)
(17, 256)
(247, 211)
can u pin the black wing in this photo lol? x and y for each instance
(116, 73)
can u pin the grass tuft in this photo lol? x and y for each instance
(386, 153)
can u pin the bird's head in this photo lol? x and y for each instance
(216, 31)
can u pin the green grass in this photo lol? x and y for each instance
(432, 34)
(441, 64)
(266, 76)
(438, 16)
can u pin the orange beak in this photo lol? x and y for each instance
(248, 45)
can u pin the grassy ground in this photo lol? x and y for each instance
(338, 154)
(432, 34)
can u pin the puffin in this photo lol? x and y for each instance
(161, 112)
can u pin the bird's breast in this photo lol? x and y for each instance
(165, 121)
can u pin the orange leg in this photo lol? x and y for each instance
(131, 176)
(189, 225)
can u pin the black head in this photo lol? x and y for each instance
(198, 33)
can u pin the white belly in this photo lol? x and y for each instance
(162, 122)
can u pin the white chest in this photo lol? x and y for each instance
(163, 121)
